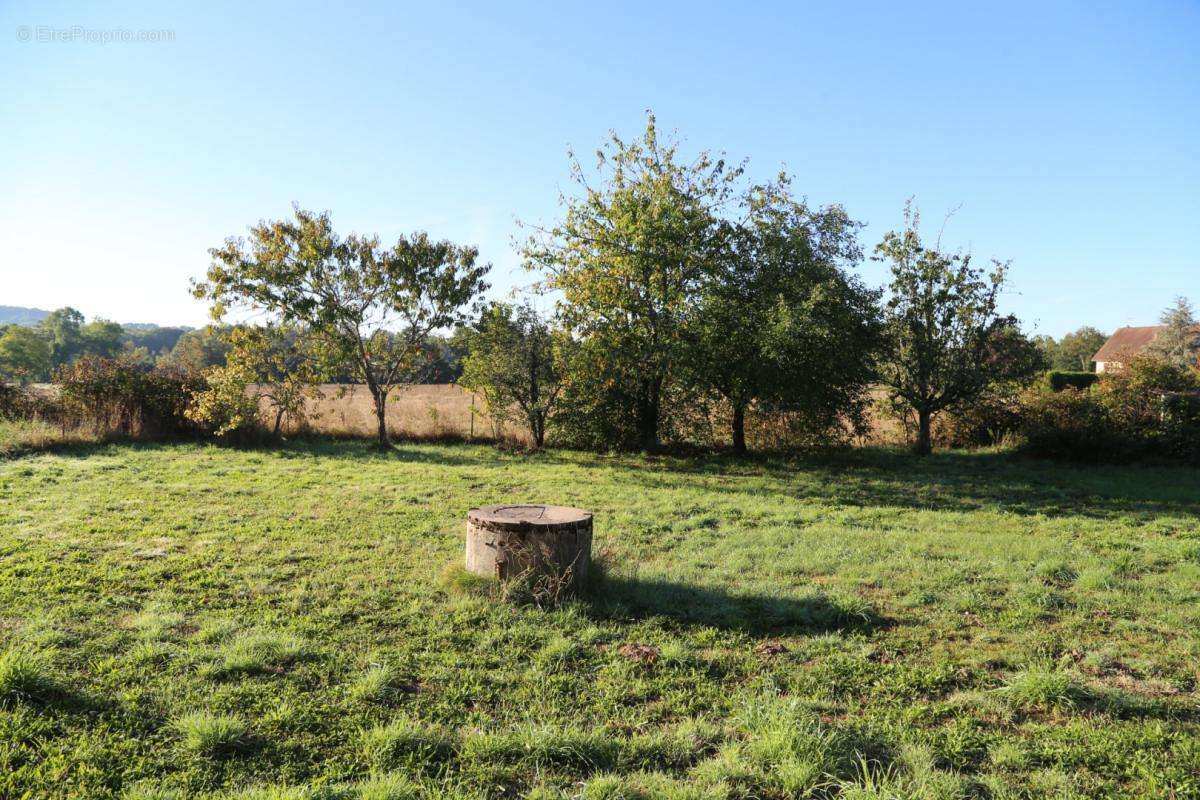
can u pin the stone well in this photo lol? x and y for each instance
(518, 541)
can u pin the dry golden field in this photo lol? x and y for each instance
(426, 411)
(433, 411)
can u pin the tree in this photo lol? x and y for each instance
(156, 340)
(24, 354)
(781, 324)
(1011, 356)
(445, 358)
(225, 405)
(365, 305)
(265, 365)
(102, 338)
(280, 362)
(1179, 340)
(940, 320)
(197, 350)
(1049, 347)
(629, 257)
(1075, 349)
(63, 330)
(515, 359)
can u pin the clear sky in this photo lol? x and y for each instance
(1067, 134)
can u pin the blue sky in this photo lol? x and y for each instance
(1067, 134)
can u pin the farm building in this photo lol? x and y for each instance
(1124, 344)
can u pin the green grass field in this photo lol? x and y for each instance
(189, 620)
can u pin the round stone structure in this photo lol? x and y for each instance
(530, 541)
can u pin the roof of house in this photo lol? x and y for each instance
(1126, 342)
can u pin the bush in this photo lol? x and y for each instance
(1180, 435)
(1070, 424)
(1059, 380)
(1148, 409)
(12, 401)
(985, 421)
(122, 396)
(28, 403)
(224, 406)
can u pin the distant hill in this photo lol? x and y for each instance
(22, 315)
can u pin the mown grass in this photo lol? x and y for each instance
(197, 621)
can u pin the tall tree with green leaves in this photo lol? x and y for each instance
(1074, 351)
(368, 306)
(629, 256)
(1179, 340)
(63, 330)
(516, 361)
(102, 338)
(940, 321)
(197, 350)
(782, 324)
(24, 354)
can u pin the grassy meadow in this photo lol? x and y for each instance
(189, 620)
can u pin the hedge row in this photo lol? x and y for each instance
(1060, 380)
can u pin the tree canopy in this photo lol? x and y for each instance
(368, 306)
(517, 361)
(24, 354)
(941, 321)
(1179, 340)
(781, 322)
(629, 256)
(1074, 351)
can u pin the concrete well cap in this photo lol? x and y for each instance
(527, 514)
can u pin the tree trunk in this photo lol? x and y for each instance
(381, 415)
(739, 428)
(539, 432)
(924, 435)
(278, 422)
(647, 423)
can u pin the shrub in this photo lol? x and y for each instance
(224, 406)
(12, 401)
(1060, 379)
(1071, 424)
(1149, 408)
(1180, 430)
(986, 420)
(1152, 400)
(125, 397)
(1134, 395)
(28, 403)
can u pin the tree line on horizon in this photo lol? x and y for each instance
(679, 285)
(34, 351)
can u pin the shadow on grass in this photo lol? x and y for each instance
(864, 477)
(325, 447)
(622, 598)
(963, 482)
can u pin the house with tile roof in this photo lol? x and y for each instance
(1124, 344)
